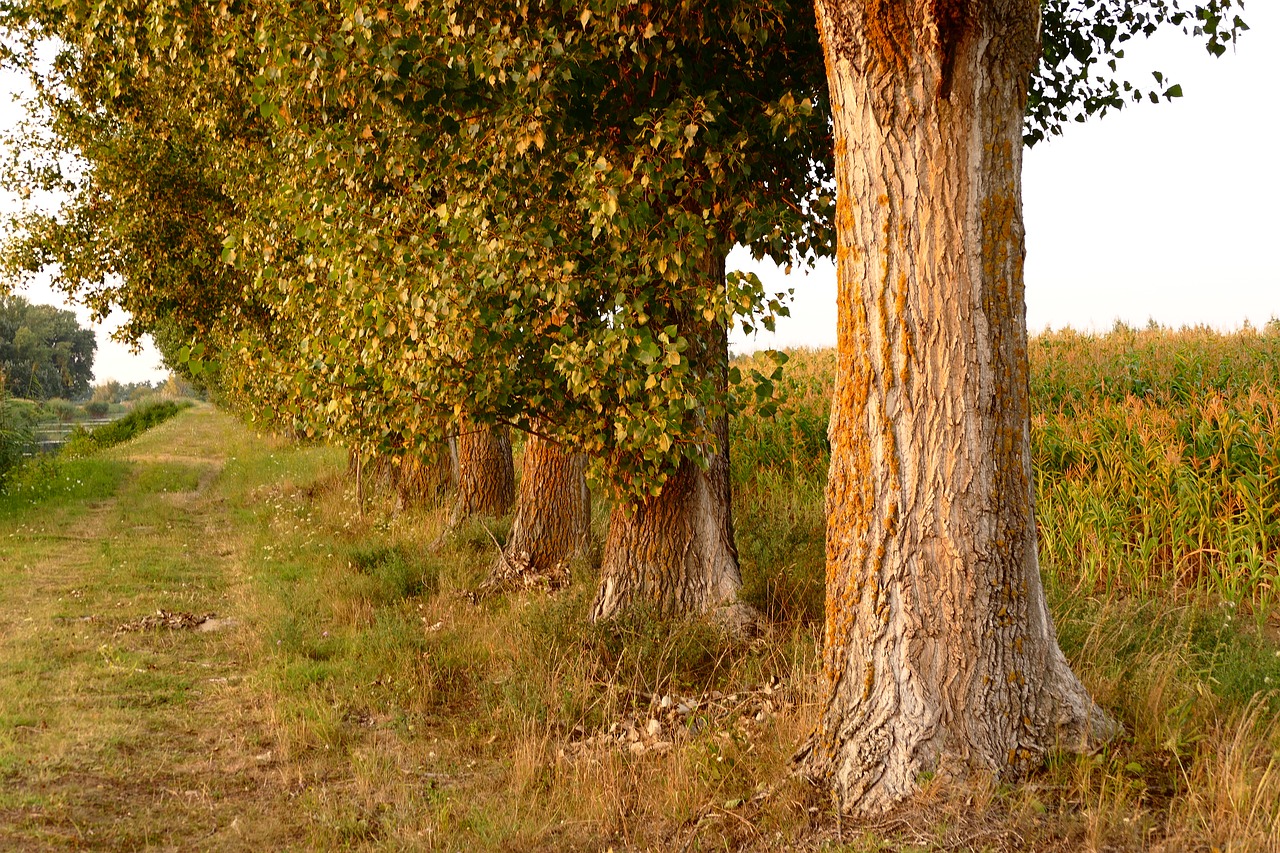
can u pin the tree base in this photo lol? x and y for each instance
(674, 551)
(874, 768)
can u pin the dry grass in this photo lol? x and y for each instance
(368, 701)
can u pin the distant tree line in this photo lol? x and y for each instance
(44, 352)
(112, 391)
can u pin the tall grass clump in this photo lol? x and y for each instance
(1157, 460)
(17, 432)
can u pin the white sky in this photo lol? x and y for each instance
(1164, 212)
(1168, 212)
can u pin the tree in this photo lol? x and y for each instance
(142, 193)
(552, 521)
(399, 148)
(603, 299)
(414, 479)
(44, 352)
(939, 653)
(108, 392)
(485, 473)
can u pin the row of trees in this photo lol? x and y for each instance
(113, 391)
(412, 228)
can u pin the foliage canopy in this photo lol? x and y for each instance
(44, 352)
(378, 222)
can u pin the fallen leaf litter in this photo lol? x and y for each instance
(674, 719)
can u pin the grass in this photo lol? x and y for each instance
(133, 739)
(364, 698)
(137, 421)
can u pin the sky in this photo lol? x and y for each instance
(1162, 212)
(1167, 212)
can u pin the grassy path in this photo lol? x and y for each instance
(358, 695)
(146, 737)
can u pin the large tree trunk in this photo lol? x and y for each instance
(939, 653)
(485, 473)
(552, 523)
(675, 551)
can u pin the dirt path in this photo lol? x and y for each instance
(121, 728)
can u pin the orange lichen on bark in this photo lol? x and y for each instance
(889, 34)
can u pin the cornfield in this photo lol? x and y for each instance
(1156, 454)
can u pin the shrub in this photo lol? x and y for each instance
(83, 442)
(16, 435)
(64, 410)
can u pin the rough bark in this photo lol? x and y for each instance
(485, 473)
(939, 652)
(552, 522)
(415, 480)
(676, 550)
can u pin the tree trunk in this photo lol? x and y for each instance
(676, 550)
(414, 480)
(552, 523)
(485, 474)
(939, 655)
(421, 480)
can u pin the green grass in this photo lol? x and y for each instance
(169, 477)
(137, 421)
(367, 700)
(48, 482)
